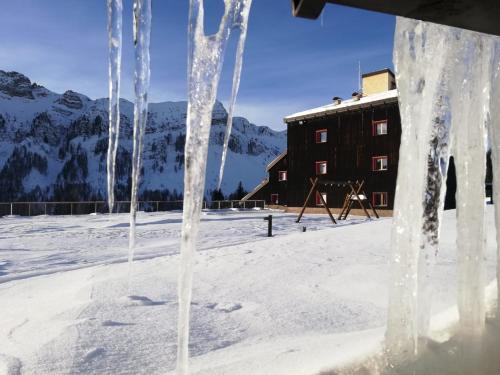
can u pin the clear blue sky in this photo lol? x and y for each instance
(290, 64)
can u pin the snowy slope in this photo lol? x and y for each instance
(297, 303)
(54, 146)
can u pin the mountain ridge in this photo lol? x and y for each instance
(54, 146)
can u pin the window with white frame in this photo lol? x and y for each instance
(321, 167)
(379, 163)
(282, 176)
(380, 127)
(318, 198)
(379, 199)
(321, 136)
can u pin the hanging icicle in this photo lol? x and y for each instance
(115, 10)
(240, 21)
(142, 31)
(205, 58)
(421, 73)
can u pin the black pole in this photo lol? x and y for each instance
(269, 219)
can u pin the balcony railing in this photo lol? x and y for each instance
(86, 208)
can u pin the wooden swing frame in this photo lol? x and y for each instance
(354, 195)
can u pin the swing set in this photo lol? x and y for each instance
(355, 195)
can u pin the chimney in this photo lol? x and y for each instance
(379, 81)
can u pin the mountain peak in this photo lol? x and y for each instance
(16, 84)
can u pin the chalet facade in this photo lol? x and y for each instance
(348, 140)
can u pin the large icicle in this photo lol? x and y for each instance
(205, 58)
(421, 75)
(470, 110)
(470, 104)
(241, 21)
(115, 10)
(142, 31)
(494, 137)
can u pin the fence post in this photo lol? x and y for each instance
(95, 207)
(45, 209)
(219, 205)
(10, 208)
(71, 208)
(232, 204)
(29, 209)
(157, 206)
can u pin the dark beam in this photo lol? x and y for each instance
(476, 15)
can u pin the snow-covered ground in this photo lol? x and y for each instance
(297, 303)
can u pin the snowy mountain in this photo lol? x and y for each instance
(54, 146)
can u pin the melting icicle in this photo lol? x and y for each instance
(420, 69)
(142, 31)
(470, 109)
(494, 137)
(205, 58)
(442, 75)
(240, 21)
(115, 10)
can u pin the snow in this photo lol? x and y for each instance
(369, 100)
(296, 303)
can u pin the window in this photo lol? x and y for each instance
(274, 199)
(379, 163)
(282, 175)
(318, 198)
(379, 128)
(321, 136)
(379, 199)
(321, 167)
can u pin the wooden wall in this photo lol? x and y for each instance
(348, 151)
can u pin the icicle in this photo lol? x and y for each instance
(240, 21)
(205, 58)
(470, 108)
(142, 30)
(115, 9)
(420, 72)
(494, 137)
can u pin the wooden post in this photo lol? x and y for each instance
(359, 200)
(45, 209)
(313, 187)
(10, 208)
(327, 209)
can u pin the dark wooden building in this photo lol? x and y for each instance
(274, 189)
(354, 139)
(347, 140)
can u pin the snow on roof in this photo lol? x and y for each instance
(278, 158)
(346, 105)
(257, 188)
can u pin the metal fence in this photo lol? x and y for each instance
(86, 208)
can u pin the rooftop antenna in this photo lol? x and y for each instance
(359, 77)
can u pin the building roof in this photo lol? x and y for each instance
(390, 96)
(257, 188)
(377, 72)
(278, 158)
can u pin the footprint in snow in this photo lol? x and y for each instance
(94, 353)
(144, 301)
(226, 307)
(112, 323)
